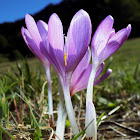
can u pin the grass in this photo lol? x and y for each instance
(21, 87)
(128, 56)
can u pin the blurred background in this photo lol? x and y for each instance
(12, 14)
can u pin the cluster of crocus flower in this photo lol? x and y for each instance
(71, 60)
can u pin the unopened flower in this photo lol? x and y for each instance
(33, 36)
(105, 42)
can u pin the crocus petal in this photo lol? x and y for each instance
(103, 77)
(56, 42)
(30, 42)
(43, 29)
(112, 33)
(128, 29)
(33, 47)
(81, 67)
(32, 28)
(82, 81)
(100, 69)
(116, 41)
(55, 32)
(78, 38)
(101, 36)
(90, 122)
(49, 53)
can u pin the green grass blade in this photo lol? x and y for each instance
(34, 119)
(0, 122)
(11, 137)
(99, 120)
(7, 88)
(136, 71)
(82, 132)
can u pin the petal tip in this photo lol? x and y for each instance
(82, 11)
(54, 15)
(28, 18)
(110, 71)
(27, 15)
(111, 17)
(53, 18)
(22, 30)
(129, 26)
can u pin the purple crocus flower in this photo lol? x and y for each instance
(66, 57)
(105, 42)
(80, 76)
(33, 35)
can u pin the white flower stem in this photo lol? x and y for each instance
(89, 95)
(69, 107)
(60, 128)
(90, 109)
(50, 99)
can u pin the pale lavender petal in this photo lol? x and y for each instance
(83, 79)
(43, 29)
(32, 28)
(115, 42)
(29, 41)
(81, 67)
(78, 38)
(55, 32)
(128, 29)
(103, 77)
(100, 69)
(81, 82)
(112, 33)
(33, 47)
(23, 32)
(101, 36)
(56, 41)
(48, 52)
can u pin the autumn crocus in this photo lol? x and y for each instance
(33, 35)
(65, 57)
(105, 42)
